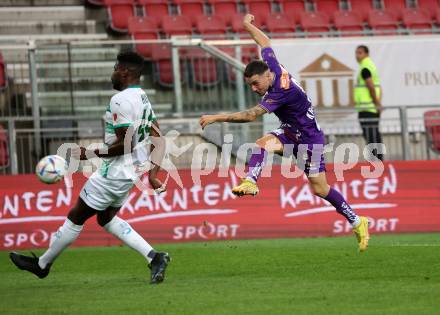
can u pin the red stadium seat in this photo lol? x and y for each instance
(202, 67)
(3, 75)
(293, 8)
(280, 23)
(430, 6)
(4, 150)
(437, 16)
(210, 25)
(432, 127)
(176, 25)
(119, 12)
(314, 22)
(259, 8)
(327, 6)
(347, 21)
(395, 7)
(361, 8)
(143, 28)
(417, 20)
(156, 8)
(224, 9)
(190, 8)
(381, 20)
(163, 66)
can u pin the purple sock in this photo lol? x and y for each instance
(342, 207)
(256, 163)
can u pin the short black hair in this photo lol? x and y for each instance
(132, 61)
(364, 48)
(255, 67)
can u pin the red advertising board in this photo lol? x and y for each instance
(405, 198)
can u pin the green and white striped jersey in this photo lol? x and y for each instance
(128, 108)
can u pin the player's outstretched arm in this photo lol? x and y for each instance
(260, 38)
(238, 117)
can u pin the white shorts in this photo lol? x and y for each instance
(99, 192)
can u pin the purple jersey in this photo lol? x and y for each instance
(290, 103)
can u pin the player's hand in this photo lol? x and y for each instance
(378, 105)
(248, 19)
(157, 185)
(206, 120)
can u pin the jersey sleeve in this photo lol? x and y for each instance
(120, 110)
(365, 73)
(272, 101)
(270, 59)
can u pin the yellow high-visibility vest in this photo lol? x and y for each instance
(362, 98)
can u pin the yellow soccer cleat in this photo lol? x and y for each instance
(246, 187)
(362, 235)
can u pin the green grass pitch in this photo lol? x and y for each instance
(399, 274)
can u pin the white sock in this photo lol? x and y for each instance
(356, 222)
(122, 230)
(65, 235)
(251, 179)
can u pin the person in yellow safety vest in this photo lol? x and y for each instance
(367, 98)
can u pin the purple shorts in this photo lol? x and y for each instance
(309, 154)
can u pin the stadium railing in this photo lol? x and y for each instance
(405, 137)
(66, 85)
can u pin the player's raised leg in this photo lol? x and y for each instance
(65, 236)
(157, 261)
(320, 187)
(248, 186)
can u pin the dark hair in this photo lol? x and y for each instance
(132, 61)
(364, 48)
(255, 67)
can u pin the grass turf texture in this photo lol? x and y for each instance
(399, 274)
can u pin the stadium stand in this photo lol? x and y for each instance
(225, 9)
(417, 20)
(361, 7)
(431, 6)
(176, 25)
(143, 28)
(380, 20)
(329, 7)
(280, 23)
(211, 25)
(190, 8)
(203, 68)
(119, 12)
(347, 21)
(432, 126)
(314, 22)
(396, 7)
(163, 68)
(154, 8)
(293, 8)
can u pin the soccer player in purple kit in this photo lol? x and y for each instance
(299, 130)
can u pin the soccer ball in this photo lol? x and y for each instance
(51, 169)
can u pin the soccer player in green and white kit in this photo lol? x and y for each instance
(106, 190)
